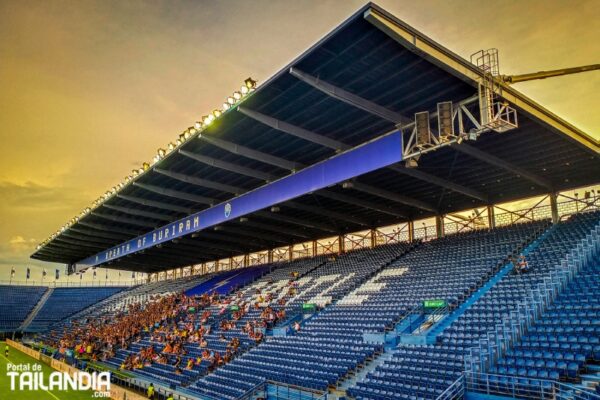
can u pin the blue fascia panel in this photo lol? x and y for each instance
(373, 155)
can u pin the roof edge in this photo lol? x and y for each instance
(453, 63)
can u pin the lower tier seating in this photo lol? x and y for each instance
(17, 302)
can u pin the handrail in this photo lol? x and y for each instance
(522, 388)
(455, 391)
(248, 394)
(493, 346)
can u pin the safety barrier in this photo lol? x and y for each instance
(509, 331)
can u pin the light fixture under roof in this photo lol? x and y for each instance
(248, 86)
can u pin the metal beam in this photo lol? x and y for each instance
(214, 235)
(197, 241)
(107, 228)
(55, 252)
(254, 234)
(361, 203)
(463, 69)
(296, 221)
(251, 153)
(287, 230)
(349, 98)
(500, 163)
(123, 220)
(407, 171)
(183, 250)
(200, 181)
(386, 194)
(63, 243)
(80, 243)
(141, 213)
(87, 239)
(177, 194)
(238, 169)
(98, 233)
(294, 130)
(424, 176)
(326, 213)
(155, 204)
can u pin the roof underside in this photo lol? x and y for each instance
(361, 59)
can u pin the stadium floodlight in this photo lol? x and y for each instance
(411, 163)
(145, 166)
(244, 89)
(422, 128)
(171, 146)
(226, 106)
(161, 152)
(445, 123)
(275, 209)
(216, 113)
(237, 95)
(250, 83)
(198, 125)
(207, 119)
(230, 100)
(243, 219)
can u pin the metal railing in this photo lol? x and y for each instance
(522, 388)
(435, 315)
(284, 391)
(455, 391)
(509, 330)
(75, 283)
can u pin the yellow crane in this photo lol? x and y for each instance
(509, 79)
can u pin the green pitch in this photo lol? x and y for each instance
(16, 357)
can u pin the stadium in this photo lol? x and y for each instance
(339, 231)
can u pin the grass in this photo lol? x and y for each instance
(17, 357)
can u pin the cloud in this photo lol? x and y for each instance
(31, 195)
(19, 243)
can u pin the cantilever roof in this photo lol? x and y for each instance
(382, 60)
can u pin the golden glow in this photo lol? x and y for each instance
(106, 98)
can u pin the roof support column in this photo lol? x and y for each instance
(291, 251)
(341, 244)
(554, 207)
(246, 260)
(314, 248)
(411, 231)
(373, 233)
(491, 216)
(270, 256)
(439, 226)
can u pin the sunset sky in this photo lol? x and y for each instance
(90, 89)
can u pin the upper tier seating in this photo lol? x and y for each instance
(424, 372)
(16, 304)
(308, 359)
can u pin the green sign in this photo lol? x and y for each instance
(436, 303)
(234, 308)
(309, 307)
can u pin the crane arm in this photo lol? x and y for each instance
(548, 74)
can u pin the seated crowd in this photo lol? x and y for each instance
(172, 321)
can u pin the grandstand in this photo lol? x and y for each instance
(291, 252)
